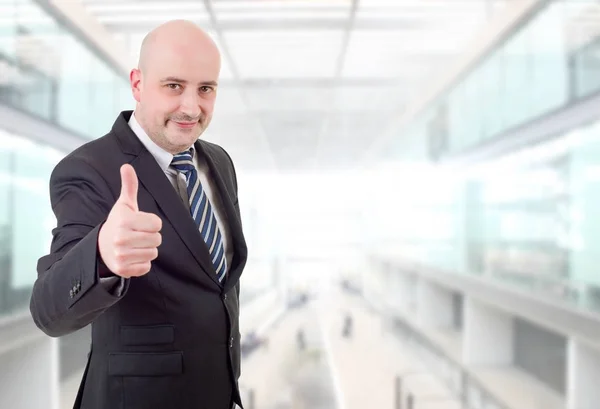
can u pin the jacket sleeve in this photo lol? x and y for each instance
(68, 293)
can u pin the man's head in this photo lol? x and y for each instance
(175, 84)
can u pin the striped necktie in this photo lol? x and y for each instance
(202, 212)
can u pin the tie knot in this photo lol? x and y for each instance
(183, 161)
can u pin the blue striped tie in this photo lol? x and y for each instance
(202, 212)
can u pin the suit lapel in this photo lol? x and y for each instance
(154, 180)
(156, 183)
(232, 219)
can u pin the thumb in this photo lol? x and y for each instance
(129, 187)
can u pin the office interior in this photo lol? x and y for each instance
(418, 181)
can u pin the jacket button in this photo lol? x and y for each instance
(71, 293)
(231, 342)
(224, 296)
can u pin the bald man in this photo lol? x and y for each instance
(148, 246)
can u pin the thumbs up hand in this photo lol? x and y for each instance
(128, 240)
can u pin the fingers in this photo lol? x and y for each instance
(138, 239)
(135, 270)
(129, 239)
(129, 187)
(126, 258)
(142, 222)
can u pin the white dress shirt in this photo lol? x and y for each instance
(177, 179)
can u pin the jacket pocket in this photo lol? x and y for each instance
(145, 363)
(148, 380)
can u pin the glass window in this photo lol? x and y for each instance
(26, 217)
(36, 51)
(474, 109)
(523, 225)
(123, 95)
(524, 77)
(6, 210)
(73, 97)
(586, 69)
(541, 353)
(8, 11)
(47, 71)
(34, 219)
(456, 108)
(582, 36)
(102, 112)
(517, 73)
(585, 190)
(549, 81)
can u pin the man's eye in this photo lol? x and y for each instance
(173, 86)
(205, 89)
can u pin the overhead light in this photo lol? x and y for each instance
(147, 6)
(284, 15)
(201, 18)
(420, 4)
(421, 14)
(281, 4)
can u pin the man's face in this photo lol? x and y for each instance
(176, 94)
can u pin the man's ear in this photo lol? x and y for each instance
(135, 79)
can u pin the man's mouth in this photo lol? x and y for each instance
(186, 125)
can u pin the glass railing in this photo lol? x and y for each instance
(469, 391)
(528, 219)
(546, 63)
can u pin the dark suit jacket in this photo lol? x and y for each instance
(171, 340)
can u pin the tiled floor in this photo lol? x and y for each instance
(368, 363)
(277, 373)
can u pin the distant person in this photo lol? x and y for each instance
(148, 246)
(300, 339)
(347, 328)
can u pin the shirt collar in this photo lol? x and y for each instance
(163, 158)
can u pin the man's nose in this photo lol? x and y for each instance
(190, 106)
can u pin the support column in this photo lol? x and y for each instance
(399, 292)
(434, 305)
(582, 376)
(488, 335)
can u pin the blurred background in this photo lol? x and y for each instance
(419, 184)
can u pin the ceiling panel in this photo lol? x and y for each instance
(397, 54)
(367, 98)
(284, 53)
(140, 14)
(279, 14)
(132, 41)
(283, 99)
(276, 98)
(429, 10)
(279, 5)
(129, 8)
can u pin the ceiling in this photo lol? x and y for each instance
(309, 85)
